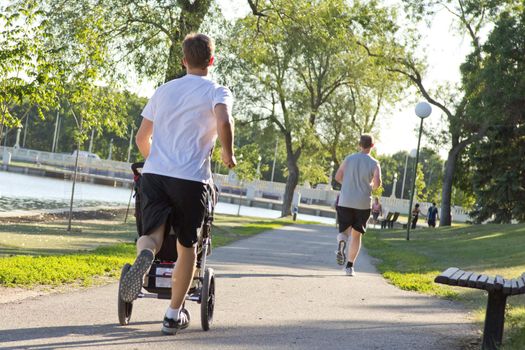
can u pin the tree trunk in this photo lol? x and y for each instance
(448, 179)
(293, 176)
(174, 68)
(190, 19)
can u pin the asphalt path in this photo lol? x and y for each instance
(277, 290)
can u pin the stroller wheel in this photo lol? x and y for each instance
(124, 309)
(207, 299)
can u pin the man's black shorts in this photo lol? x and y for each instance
(355, 218)
(182, 202)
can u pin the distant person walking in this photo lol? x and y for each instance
(377, 209)
(358, 175)
(432, 215)
(415, 215)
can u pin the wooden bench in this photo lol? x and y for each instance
(387, 219)
(498, 289)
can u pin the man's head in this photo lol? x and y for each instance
(434, 203)
(366, 142)
(198, 51)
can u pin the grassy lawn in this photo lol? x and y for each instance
(43, 253)
(490, 249)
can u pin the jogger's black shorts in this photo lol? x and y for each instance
(177, 202)
(355, 218)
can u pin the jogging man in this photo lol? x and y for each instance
(180, 126)
(358, 175)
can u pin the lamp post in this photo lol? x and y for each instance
(423, 110)
(330, 179)
(411, 154)
(394, 185)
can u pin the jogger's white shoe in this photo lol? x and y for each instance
(349, 271)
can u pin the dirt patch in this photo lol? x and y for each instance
(87, 214)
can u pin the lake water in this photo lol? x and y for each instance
(19, 192)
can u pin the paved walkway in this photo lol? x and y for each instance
(277, 290)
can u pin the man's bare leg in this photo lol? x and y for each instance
(355, 245)
(153, 241)
(183, 275)
(353, 251)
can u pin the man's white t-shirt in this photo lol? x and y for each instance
(184, 127)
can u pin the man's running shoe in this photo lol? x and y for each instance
(131, 284)
(171, 327)
(349, 271)
(340, 255)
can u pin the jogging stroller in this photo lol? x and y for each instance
(157, 282)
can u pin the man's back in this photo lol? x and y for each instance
(356, 189)
(185, 128)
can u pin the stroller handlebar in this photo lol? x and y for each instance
(136, 166)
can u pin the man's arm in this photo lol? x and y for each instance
(143, 138)
(340, 174)
(376, 180)
(225, 132)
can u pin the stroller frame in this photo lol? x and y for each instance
(158, 279)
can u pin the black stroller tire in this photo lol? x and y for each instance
(124, 308)
(207, 299)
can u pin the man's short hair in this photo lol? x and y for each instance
(366, 141)
(198, 50)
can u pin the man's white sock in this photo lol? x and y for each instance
(342, 237)
(172, 313)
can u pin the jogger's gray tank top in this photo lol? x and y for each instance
(356, 190)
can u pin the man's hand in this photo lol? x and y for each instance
(228, 159)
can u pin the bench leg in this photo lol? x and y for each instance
(494, 320)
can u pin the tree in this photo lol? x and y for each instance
(472, 17)
(496, 91)
(27, 74)
(146, 34)
(82, 67)
(295, 56)
(246, 169)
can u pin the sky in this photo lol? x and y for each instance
(443, 50)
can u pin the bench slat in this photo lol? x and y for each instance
(472, 280)
(453, 280)
(499, 282)
(456, 277)
(489, 285)
(507, 286)
(462, 281)
(480, 284)
(521, 285)
(445, 275)
(515, 288)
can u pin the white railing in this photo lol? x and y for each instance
(64, 160)
(257, 188)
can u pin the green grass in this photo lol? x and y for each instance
(490, 249)
(45, 254)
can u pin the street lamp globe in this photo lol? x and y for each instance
(423, 110)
